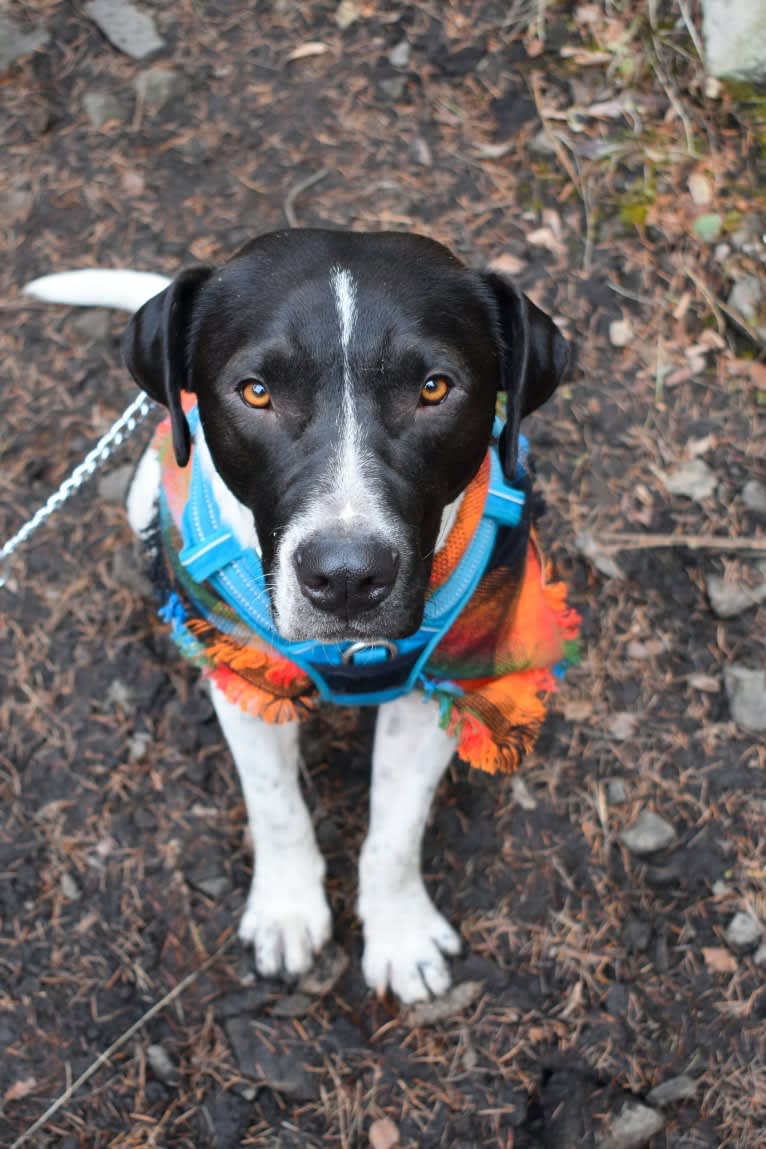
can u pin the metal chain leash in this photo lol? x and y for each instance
(127, 423)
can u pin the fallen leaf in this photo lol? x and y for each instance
(719, 960)
(545, 237)
(508, 264)
(704, 682)
(622, 726)
(578, 710)
(20, 1089)
(310, 48)
(454, 1001)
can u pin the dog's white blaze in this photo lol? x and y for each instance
(348, 477)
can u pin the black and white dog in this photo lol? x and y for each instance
(346, 387)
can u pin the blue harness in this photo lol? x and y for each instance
(346, 673)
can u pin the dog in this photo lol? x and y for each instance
(336, 394)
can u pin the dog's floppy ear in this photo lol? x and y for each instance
(154, 348)
(534, 356)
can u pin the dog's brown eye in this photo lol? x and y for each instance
(434, 390)
(255, 394)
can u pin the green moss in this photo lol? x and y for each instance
(634, 214)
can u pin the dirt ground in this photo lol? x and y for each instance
(580, 146)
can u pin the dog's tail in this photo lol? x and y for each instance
(126, 290)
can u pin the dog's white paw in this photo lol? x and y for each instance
(405, 940)
(287, 926)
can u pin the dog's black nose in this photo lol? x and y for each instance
(346, 575)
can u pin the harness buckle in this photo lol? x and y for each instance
(379, 651)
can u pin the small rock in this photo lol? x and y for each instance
(69, 887)
(722, 252)
(394, 86)
(721, 888)
(602, 560)
(156, 86)
(93, 326)
(743, 932)
(746, 297)
(680, 1088)
(214, 886)
(701, 189)
(729, 599)
(103, 108)
(618, 1000)
(648, 834)
(454, 1001)
(759, 957)
(119, 694)
(632, 1128)
(542, 144)
(346, 14)
(138, 744)
(400, 54)
(131, 30)
(708, 227)
(127, 571)
(162, 1065)
(326, 971)
(15, 44)
(294, 1005)
(620, 332)
(694, 480)
(421, 152)
(616, 792)
(113, 486)
(383, 1134)
(622, 726)
(521, 793)
(746, 691)
(754, 496)
(636, 935)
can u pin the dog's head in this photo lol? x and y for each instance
(346, 386)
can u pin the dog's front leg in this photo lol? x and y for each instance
(287, 917)
(405, 937)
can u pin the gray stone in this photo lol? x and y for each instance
(69, 887)
(746, 297)
(15, 43)
(648, 834)
(294, 1005)
(131, 30)
(103, 108)
(680, 1088)
(326, 972)
(759, 957)
(746, 690)
(213, 887)
(394, 87)
(636, 935)
(729, 598)
(162, 1065)
(743, 932)
(694, 479)
(156, 86)
(93, 325)
(400, 54)
(735, 38)
(616, 792)
(113, 486)
(633, 1127)
(754, 496)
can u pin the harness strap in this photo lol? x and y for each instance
(212, 554)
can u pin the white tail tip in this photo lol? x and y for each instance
(126, 290)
